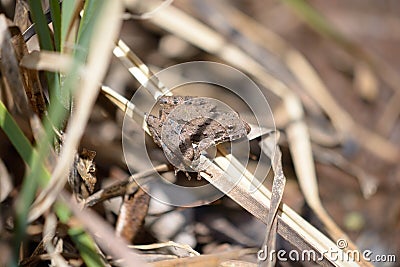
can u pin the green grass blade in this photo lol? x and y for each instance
(86, 247)
(41, 26)
(82, 240)
(56, 17)
(66, 17)
(46, 43)
(15, 134)
(85, 33)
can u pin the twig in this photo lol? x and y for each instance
(128, 186)
(166, 244)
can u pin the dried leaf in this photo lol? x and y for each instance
(278, 185)
(30, 78)
(12, 80)
(21, 16)
(82, 178)
(131, 215)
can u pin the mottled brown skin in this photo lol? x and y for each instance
(203, 132)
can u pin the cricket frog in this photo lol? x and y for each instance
(187, 126)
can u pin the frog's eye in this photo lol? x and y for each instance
(163, 101)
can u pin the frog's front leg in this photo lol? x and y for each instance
(186, 148)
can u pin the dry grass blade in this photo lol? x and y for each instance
(139, 70)
(47, 60)
(166, 244)
(48, 237)
(95, 69)
(125, 105)
(278, 186)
